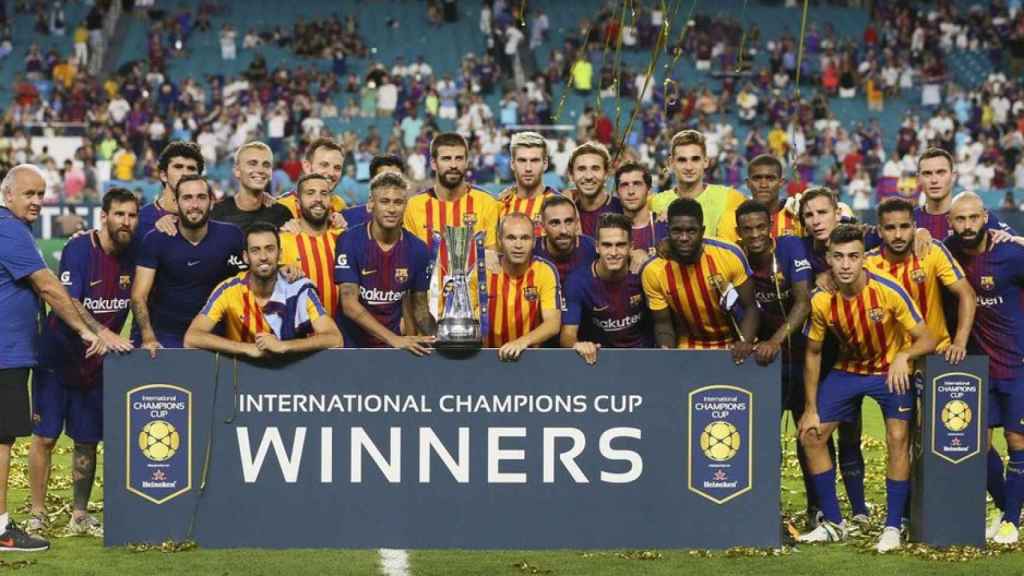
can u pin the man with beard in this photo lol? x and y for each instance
(451, 202)
(604, 302)
(311, 249)
(525, 305)
(936, 173)
(254, 163)
(633, 183)
(995, 272)
(262, 313)
(24, 281)
(177, 159)
(324, 157)
(588, 169)
(876, 349)
(689, 287)
(67, 387)
(529, 163)
(719, 203)
(175, 274)
(782, 286)
(380, 266)
(561, 244)
(765, 179)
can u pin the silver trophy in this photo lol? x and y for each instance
(459, 328)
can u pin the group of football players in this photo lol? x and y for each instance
(846, 308)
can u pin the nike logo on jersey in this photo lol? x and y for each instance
(368, 271)
(600, 308)
(193, 262)
(95, 283)
(905, 409)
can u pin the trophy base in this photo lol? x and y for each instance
(458, 335)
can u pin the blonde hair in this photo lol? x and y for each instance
(688, 137)
(255, 144)
(527, 140)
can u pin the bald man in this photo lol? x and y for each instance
(24, 279)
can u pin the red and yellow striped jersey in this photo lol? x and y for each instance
(515, 303)
(290, 200)
(785, 223)
(288, 314)
(511, 203)
(920, 278)
(426, 214)
(871, 327)
(693, 291)
(314, 253)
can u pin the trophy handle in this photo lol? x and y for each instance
(481, 285)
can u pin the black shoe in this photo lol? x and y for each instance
(17, 540)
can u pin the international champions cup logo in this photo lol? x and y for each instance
(956, 416)
(720, 454)
(159, 451)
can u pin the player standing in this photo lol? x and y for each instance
(525, 304)
(311, 249)
(261, 311)
(995, 272)
(604, 302)
(719, 203)
(633, 184)
(254, 163)
(324, 157)
(880, 332)
(360, 214)
(529, 163)
(765, 179)
(67, 388)
(561, 244)
(936, 173)
(177, 159)
(691, 286)
(589, 164)
(379, 266)
(174, 275)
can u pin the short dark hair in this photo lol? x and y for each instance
(936, 153)
(383, 160)
(766, 160)
(895, 204)
(685, 207)
(119, 195)
(811, 194)
(614, 221)
(181, 149)
(846, 233)
(633, 167)
(447, 139)
(322, 143)
(752, 207)
(555, 200)
(306, 178)
(259, 227)
(191, 178)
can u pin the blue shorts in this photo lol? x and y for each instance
(841, 394)
(1006, 404)
(56, 408)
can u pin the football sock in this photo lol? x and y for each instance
(809, 490)
(853, 479)
(896, 494)
(1014, 487)
(825, 486)
(995, 484)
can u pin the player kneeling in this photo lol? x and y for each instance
(880, 332)
(262, 311)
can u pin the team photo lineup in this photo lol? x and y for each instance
(634, 251)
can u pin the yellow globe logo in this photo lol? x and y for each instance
(720, 441)
(159, 440)
(956, 415)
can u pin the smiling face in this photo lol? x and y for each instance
(560, 227)
(253, 169)
(315, 201)
(754, 229)
(25, 197)
(388, 207)
(261, 254)
(588, 174)
(194, 204)
(327, 163)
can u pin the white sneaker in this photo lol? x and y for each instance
(1007, 534)
(889, 540)
(860, 523)
(88, 525)
(825, 532)
(994, 522)
(35, 525)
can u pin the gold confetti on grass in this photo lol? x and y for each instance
(527, 568)
(166, 547)
(15, 564)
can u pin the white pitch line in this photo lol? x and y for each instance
(394, 562)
